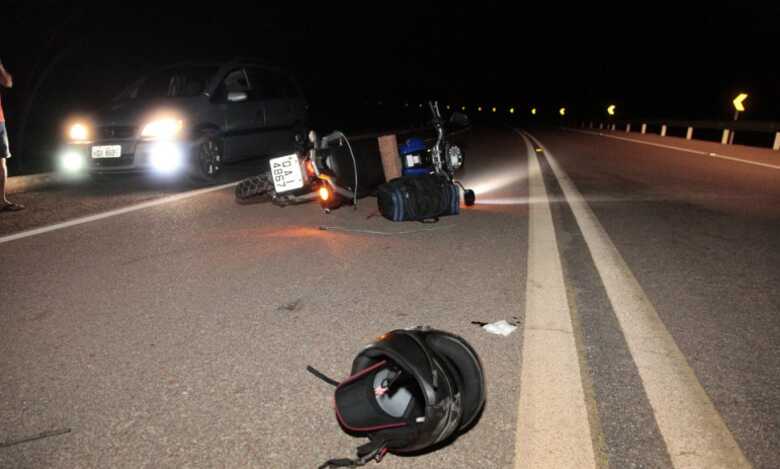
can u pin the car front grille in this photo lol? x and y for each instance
(115, 132)
(125, 160)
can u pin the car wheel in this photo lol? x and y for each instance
(208, 158)
(254, 189)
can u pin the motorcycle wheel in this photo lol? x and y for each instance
(255, 189)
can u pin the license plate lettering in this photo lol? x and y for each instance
(107, 151)
(286, 173)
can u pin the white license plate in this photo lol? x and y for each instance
(107, 151)
(286, 173)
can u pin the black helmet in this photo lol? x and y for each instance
(409, 391)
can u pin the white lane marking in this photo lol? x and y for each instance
(692, 428)
(686, 150)
(112, 213)
(552, 417)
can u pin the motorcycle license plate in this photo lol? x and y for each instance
(286, 173)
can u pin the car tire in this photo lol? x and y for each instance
(208, 156)
(254, 189)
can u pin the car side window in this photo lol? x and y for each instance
(266, 84)
(234, 81)
(291, 89)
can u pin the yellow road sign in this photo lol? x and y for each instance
(739, 102)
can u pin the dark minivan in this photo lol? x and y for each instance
(191, 117)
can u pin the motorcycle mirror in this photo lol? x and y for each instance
(459, 119)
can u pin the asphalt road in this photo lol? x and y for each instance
(642, 278)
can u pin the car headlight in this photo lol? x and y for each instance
(166, 157)
(455, 156)
(78, 132)
(72, 162)
(162, 128)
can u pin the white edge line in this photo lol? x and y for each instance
(686, 150)
(112, 213)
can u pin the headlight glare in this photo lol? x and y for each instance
(78, 131)
(162, 128)
(72, 162)
(166, 157)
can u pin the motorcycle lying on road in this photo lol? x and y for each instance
(329, 170)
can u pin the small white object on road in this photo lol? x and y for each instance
(500, 328)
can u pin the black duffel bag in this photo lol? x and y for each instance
(418, 198)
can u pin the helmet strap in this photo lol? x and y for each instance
(374, 450)
(322, 376)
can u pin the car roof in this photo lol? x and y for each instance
(220, 64)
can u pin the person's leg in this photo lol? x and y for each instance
(3, 175)
(6, 205)
(5, 153)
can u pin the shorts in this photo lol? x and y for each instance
(5, 149)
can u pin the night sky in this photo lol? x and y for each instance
(652, 59)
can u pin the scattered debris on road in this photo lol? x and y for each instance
(376, 232)
(292, 306)
(499, 327)
(39, 436)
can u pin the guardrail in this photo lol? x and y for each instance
(727, 128)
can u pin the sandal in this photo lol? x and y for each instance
(11, 207)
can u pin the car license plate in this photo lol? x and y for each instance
(286, 173)
(107, 151)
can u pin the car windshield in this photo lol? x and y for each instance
(179, 82)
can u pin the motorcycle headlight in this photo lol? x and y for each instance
(455, 156)
(162, 128)
(78, 132)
